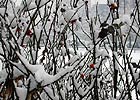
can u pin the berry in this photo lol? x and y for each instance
(29, 33)
(62, 43)
(73, 21)
(91, 65)
(113, 6)
(82, 75)
(18, 29)
(23, 45)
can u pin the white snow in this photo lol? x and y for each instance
(126, 19)
(48, 79)
(18, 70)
(138, 86)
(135, 55)
(117, 21)
(21, 92)
(38, 32)
(116, 61)
(56, 52)
(73, 59)
(32, 4)
(63, 49)
(32, 68)
(78, 87)
(3, 75)
(136, 75)
(1, 51)
(2, 11)
(42, 76)
(70, 15)
(40, 73)
(63, 94)
(51, 93)
(33, 83)
(111, 1)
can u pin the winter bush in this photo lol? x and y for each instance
(56, 50)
